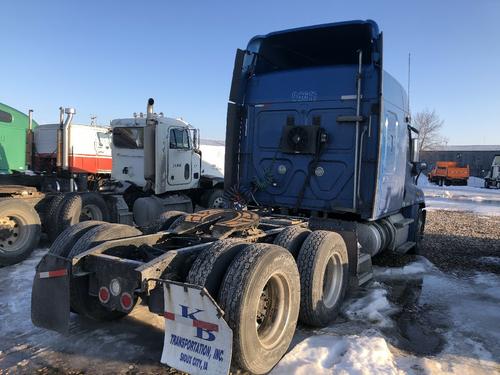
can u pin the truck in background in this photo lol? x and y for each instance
(38, 165)
(449, 173)
(492, 178)
(69, 176)
(320, 176)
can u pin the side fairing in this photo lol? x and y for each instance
(393, 159)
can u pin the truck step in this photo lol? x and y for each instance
(403, 249)
(364, 269)
(403, 223)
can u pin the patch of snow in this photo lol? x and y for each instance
(365, 354)
(374, 307)
(490, 260)
(419, 267)
(212, 157)
(466, 310)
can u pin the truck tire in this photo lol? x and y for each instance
(68, 213)
(210, 266)
(42, 207)
(81, 301)
(292, 238)
(67, 239)
(19, 231)
(164, 221)
(260, 296)
(94, 207)
(324, 275)
(212, 198)
(50, 216)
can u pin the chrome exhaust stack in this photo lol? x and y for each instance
(150, 144)
(70, 112)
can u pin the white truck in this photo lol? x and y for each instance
(492, 178)
(157, 166)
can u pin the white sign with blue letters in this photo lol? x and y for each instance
(197, 338)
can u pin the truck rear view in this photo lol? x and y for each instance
(319, 177)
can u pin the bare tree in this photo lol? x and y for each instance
(429, 125)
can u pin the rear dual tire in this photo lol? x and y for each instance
(65, 210)
(260, 295)
(324, 276)
(263, 290)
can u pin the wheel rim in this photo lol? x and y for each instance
(332, 280)
(218, 203)
(273, 311)
(91, 212)
(12, 234)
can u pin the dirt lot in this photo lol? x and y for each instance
(459, 244)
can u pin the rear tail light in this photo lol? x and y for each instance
(104, 294)
(126, 301)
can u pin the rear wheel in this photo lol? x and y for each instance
(210, 266)
(50, 216)
(81, 301)
(323, 268)
(67, 239)
(213, 198)
(69, 212)
(260, 295)
(19, 231)
(292, 238)
(94, 207)
(164, 221)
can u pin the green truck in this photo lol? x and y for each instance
(14, 126)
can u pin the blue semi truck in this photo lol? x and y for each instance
(320, 176)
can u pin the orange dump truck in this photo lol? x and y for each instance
(449, 173)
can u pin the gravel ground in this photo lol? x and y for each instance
(461, 242)
(457, 242)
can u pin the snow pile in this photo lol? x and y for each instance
(325, 354)
(419, 267)
(463, 311)
(212, 156)
(374, 307)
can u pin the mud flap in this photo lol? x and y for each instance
(50, 294)
(197, 338)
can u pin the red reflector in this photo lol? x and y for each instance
(126, 301)
(104, 294)
(55, 273)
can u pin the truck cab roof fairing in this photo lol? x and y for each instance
(308, 46)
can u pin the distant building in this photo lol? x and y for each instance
(478, 157)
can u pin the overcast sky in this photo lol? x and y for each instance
(106, 58)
